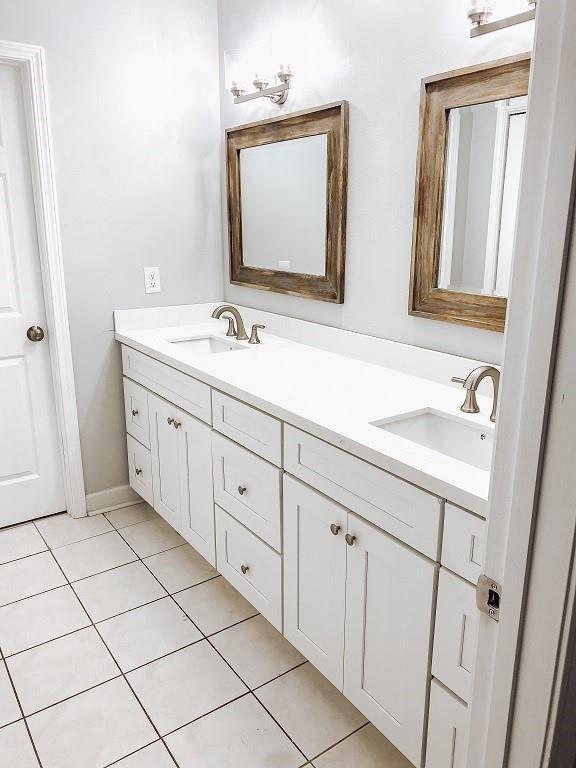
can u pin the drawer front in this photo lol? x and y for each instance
(189, 394)
(447, 730)
(464, 543)
(409, 514)
(136, 411)
(253, 429)
(248, 488)
(140, 469)
(456, 634)
(250, 566)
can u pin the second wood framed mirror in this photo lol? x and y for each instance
(286, 185)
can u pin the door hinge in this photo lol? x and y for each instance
(488, 597)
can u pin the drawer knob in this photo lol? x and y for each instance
(138, 471)
(177, 424)
(242, 490)
(335, 529)
(170, 420)
(244, 569)
(134, 412)
(350, 539)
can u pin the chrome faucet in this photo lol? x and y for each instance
(237, 330)
(471, 384)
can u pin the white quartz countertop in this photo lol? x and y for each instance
(332, 397)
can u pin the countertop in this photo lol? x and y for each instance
(332, 397)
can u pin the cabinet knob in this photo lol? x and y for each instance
(335, 529)
(170, 420)
(350, 539)
(244, 569)
(138, 471)
(134, 412)
(242, 490)
(177, 424)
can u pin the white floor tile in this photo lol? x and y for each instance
(365, 749)
(180, 568)
(257, 651)
(9, 709)
(114, 592)
(137, 513)
(146, 633)
(310, 709)
(29, 576)
(63, 529)
(215, 605)
(91, 730)
(241, 734)
(59, 669)
(16, 749)
(39, 619)
(19, 542)
(91, 556)
(152, 537)
(154, 756)
(185, 685)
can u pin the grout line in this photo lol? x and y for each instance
(23, 557)
(22, 712)
(69, 543)
(236, 624)
(98, 573)
(45, 642)
(184, 589)
(136, 751)
(36, 594)
(287, 672)
(340, 741)
(78, 693)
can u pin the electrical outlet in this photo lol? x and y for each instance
(152, 280)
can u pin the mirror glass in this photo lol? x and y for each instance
(283, 202)
(481, 184)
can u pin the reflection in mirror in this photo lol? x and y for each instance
(283, 199)
(481, 185)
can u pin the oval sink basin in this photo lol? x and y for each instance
(207, 345)
(451, 435)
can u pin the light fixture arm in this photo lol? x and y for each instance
(276, 93)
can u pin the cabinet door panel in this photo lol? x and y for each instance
(167, 460)
(314, 578)
(447, 729)
(197, 493)
(389, 602)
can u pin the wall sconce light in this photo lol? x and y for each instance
(277, 93)
(480, 17)
(480, 14)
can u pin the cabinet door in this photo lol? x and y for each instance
(314, 577)
(168, 460)
(447, 729)
(389, 603)
(197, 519)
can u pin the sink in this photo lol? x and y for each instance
(444, 433)
(207, 345)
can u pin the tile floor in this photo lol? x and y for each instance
(121, 646)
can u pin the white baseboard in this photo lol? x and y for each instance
(110, 499)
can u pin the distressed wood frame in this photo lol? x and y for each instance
(491, 81)
(331, 120)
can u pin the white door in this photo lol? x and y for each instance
(389, 603)
(315, 577)
(31, 479)
(198, 507)
(168, 459)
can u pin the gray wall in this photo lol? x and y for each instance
(373, 53)
(133, 89)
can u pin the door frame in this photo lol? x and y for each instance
(31, 61)
(544, 224)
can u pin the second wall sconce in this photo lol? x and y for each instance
(240, 66)
(276, 93)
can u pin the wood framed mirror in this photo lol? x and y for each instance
(287, 185)
(472, 124)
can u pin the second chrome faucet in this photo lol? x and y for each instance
(471, 384)
(236, 324)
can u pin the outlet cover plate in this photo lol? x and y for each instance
(152, 280)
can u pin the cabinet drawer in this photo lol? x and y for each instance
(253, 429)
(140, 469)
(447, 745)
(464, 543)
(136, 412)
(409, 514)
(190, 394)
(456, 634)
(248, 488)
(250, 566)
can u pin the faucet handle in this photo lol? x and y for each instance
(254, 335)
(456, 380)
(231, 326)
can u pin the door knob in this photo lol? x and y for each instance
(335, 529)
(35, 333)
(350, 539)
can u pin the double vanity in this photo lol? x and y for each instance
(344, 499)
